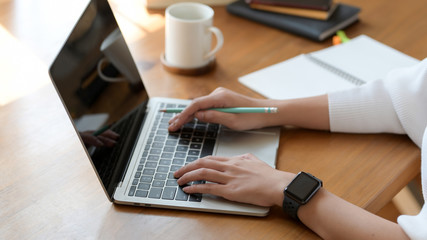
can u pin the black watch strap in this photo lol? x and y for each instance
(290, 207)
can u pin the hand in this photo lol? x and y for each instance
(221, 98)
(108, 138)
(242, 178)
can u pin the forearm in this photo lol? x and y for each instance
(334, 218)
(312, 113)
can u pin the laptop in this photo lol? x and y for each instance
(100, 87)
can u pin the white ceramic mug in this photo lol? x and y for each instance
(188, 35)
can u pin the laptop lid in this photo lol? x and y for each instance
(98, 82)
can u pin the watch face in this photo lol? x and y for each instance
(303, 187)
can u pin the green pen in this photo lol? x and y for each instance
(230, 110)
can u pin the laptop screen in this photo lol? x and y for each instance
(98, 82)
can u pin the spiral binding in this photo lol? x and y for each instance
(355, 80)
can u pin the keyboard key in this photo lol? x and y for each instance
(144, 186)
(195, 197)
(173, 136)
(146, 179)
(162, 132)
(178, 161)
(163, 169)
(180, 154)
(150, 164)
(135, 181)
(200, 128)
(171, 142)
(155, 193)
(165, 162)
(169, 193)
(172, 183)
(186, 135)
(160, 138)
(191, 159)
(195, 146)
(189, 125)
(167, 155)
(197, 139)
(182, 148)
(208, 147)
(199, 134)
(175, 168)
(157, 145)
(148, 171)
(132, 190)
(158, 183)
(169, 149)
(153, 158)
(187, 130)
(194, 152)
(181, 195)
(213, 127)
(161, 176)
(141, 193)
(184, 142)
(156, 151)
(211, 134)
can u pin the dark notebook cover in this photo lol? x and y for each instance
(316, 30)
(323, 5)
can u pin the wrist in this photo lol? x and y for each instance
(282, 183)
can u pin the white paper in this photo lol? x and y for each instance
(298, 77)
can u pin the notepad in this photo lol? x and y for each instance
(335, 68)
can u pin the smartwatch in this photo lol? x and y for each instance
(302, 188)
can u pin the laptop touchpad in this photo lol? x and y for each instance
(262, 144)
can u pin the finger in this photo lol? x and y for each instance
(211, 162)
(203, 174)
(178, 121)
(196, 105)
(207, 188)
(229, 120)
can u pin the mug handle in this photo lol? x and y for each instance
(104, 77)
(219, 41)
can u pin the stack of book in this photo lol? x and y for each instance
(317, 9)
(314, 19)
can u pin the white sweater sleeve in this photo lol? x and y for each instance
(397, 104)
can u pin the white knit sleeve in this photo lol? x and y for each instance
(365, 109)
(397, 104)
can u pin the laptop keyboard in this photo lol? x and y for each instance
(166, 152)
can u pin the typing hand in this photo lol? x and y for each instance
(221, 98)
(242, 178)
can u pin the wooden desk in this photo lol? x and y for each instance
(47, 186)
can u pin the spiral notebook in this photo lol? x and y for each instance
(339, 67)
